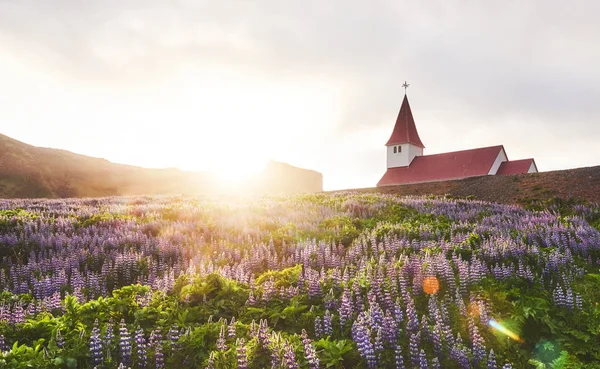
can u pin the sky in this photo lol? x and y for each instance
(227, 85)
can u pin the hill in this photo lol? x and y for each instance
(581, 184)
(29, 171)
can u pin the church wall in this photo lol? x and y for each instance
(499, 160)
(532, 168)
(404, 157)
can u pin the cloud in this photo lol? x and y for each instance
(515, 72)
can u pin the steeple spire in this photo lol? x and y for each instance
(405, 85)
(405, 130)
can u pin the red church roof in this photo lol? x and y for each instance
(405, 130)
(439, 167)
(516, 166)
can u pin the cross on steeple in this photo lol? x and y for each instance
(405, 85)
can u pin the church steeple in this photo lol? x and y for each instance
(405, 130)
(404, 143)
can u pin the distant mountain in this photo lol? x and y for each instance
(30, 171)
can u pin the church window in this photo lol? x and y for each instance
(399, 149)
(395, 149)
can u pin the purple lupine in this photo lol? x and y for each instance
(108, 336)
(378, 346)
(262, 333)
(289, 357)
(346, 308)
(274, 340)
(221, 345)
(231, 329)
(398, 315)
(3, 345)
(412, 324)
(423, 360)
(491, 364)
(124, 343)
(327, 326)
(362, 336)
(437, 340)
(159, 359)
(398, 358)
(414, 343)
(479, 351)
(426, 332)
(390, 329)
(210, 364)
(318, 327)
(96, 345)
(507, 366)
(173, 336)
(314, 288)
(462, 358)
(242, 359)
(140, 344)
(251, 299)
(578, 302)
(435, 363)
(60, 341)
(309, 351)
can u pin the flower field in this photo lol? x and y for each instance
(313, 281)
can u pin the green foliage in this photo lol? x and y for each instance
(337, 354)
(282, 278)
(100, 218)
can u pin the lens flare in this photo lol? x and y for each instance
(502, 329)
(431, 285)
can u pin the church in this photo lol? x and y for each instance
(407, 164)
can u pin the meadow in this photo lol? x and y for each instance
(310, 281)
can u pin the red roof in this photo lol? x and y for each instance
(516, 166)
(405, 130)
(439, 167)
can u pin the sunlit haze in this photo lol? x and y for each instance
(227, 85)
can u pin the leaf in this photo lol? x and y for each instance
(71, 362)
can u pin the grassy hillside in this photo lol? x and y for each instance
(29, 171)
(581, 184)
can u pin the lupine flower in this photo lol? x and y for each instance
(398, 358)
(124, 343)
(318, 327)
(96, 345)
(140, 343)
(309, 351)
(242, 360)
(378, 346)
(159, 359)
(210, 364)
(289, 357)
(221, 345)
(491, 364)
(346, 308)
(60, 341)
(173, 336)
(108, 337)
(435, 363)
(327, 326)
(3, 345)
(231, 329)
(414, 343)
(423, 360)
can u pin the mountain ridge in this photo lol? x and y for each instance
(31, 171)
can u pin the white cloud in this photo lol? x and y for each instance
(89, 76)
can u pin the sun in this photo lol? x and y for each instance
(243, 170)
